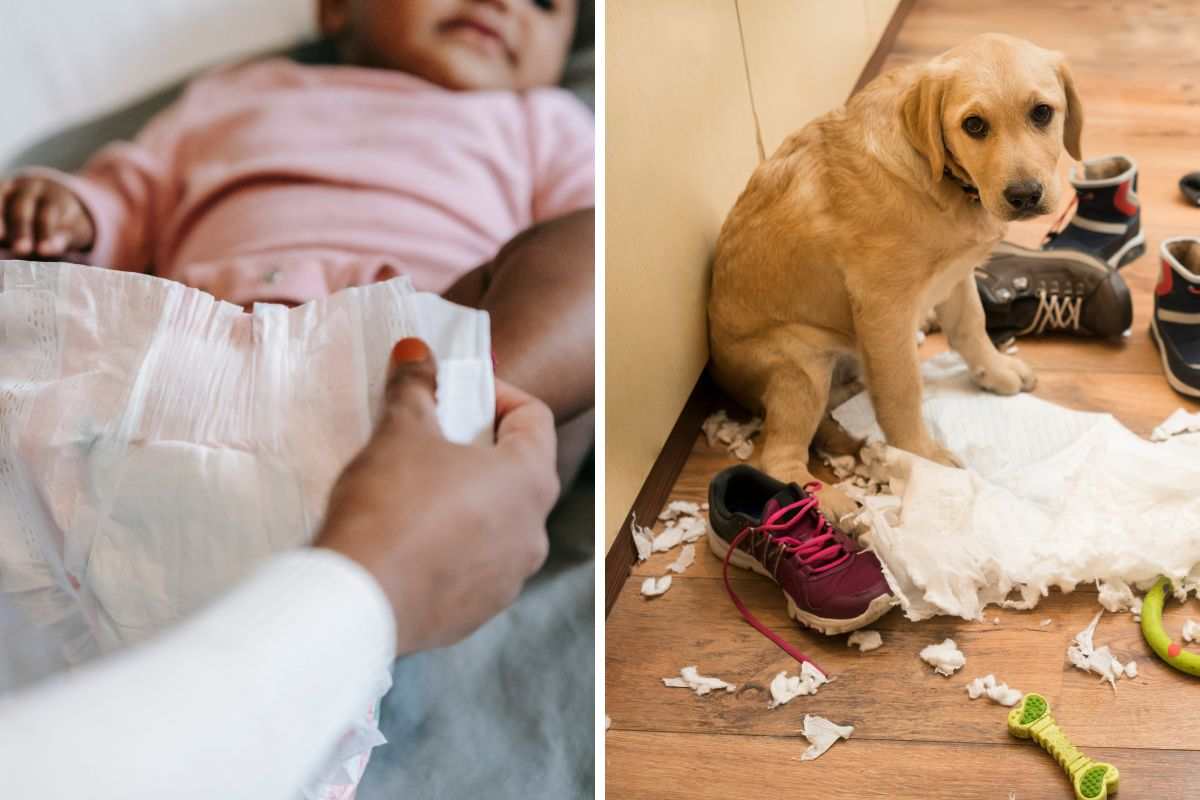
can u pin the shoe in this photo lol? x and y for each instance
(777, 529)
(1190, 186)
(1175, 326)
(1108, 214)
(1030, 292)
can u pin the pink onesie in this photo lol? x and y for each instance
(277, 181)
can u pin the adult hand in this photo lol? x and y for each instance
(40, 218)
(451, 532)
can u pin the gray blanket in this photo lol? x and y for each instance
(508, 713)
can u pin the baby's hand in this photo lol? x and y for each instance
(42, 219)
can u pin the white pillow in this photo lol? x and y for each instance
(63, 61)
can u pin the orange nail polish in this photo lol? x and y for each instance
(409, 350)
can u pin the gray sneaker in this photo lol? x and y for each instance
(1033, 292)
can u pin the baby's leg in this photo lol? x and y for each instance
(540, 292)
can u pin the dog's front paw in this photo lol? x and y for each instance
(836, 504)
(1004, 375)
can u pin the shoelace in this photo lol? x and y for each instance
(820, 551)
(1055, 229)
(1056, 312)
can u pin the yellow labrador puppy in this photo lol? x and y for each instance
(864, 220)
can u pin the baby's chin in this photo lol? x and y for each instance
(463, 70)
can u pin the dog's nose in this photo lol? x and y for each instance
(1024, 195)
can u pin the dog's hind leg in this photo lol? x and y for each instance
(831, 437)
(795, 400)
(835, 440)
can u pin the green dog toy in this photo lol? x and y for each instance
(1093, 780)
(1152, 629)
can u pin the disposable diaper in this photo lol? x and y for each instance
(1050, 497)
(156, 443)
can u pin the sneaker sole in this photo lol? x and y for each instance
(1097, 265)
(1174, 382)
(1132, 249)
(830, 627)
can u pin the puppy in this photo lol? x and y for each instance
(868, 217)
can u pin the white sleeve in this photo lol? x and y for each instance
(245, 700)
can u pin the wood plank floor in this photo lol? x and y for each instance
(1137, 66)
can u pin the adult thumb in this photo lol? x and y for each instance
(412, 381)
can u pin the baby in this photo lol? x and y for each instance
(436, 148)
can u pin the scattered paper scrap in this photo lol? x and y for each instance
(653, 587)
(1179, 422)
(1115, 595)
(685, 523)
(821, 734)
(1131, 669)
(995, 620)
(784, 689)
(643, 539)
(1084, 655)
(996, 692)
(701, 685)
(871, 481)
(1187, 587)
(679, 508)
(687, 557)
(945, 658)
(1191, 630)
(865, 641)
(691, 528)
(667, 540)
(734, 436)
(607, 722)
(1045, 622)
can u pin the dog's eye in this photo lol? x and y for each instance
(975, 127)
(544, 5)
(1041, 114)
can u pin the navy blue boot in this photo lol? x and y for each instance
(1176, 323)
(1108, 217)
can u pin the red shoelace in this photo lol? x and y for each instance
(1058, 226)
(819, 551)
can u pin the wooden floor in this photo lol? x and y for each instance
(1137, 66)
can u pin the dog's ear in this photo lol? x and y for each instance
(921, 113)
(1073, 124)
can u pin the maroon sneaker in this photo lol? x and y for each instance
(777, 530)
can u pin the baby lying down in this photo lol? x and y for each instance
(437, 148)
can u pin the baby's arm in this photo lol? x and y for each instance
(103, 216)
(540, 293)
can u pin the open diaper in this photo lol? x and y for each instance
(156, 443)
(1050, 497)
